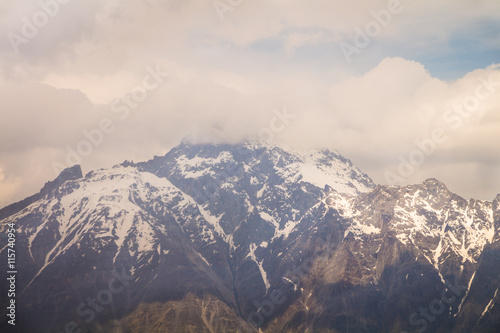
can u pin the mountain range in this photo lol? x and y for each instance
(250, 237)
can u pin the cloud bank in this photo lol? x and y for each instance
(135, 77)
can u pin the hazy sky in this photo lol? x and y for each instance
(407, 90)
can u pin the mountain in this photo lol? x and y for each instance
(247, 238)
(72, 173)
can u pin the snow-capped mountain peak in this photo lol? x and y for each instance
(231, 224)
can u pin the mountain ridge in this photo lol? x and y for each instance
(224, 224)
(71, 173)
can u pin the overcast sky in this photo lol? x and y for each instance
(367, 78)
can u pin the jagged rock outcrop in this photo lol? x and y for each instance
(212, 238)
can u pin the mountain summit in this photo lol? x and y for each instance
(249, 237)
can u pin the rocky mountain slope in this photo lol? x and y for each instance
(247, 238)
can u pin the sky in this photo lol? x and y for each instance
(408, 90)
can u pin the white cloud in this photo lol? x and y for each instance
(296, 40)
(227, 77)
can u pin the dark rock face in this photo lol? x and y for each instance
(237, 238)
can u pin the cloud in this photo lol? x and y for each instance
(295, 40)
(227, 77)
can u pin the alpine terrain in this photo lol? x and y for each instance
(249, 238)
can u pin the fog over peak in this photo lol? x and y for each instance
(146, 74)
